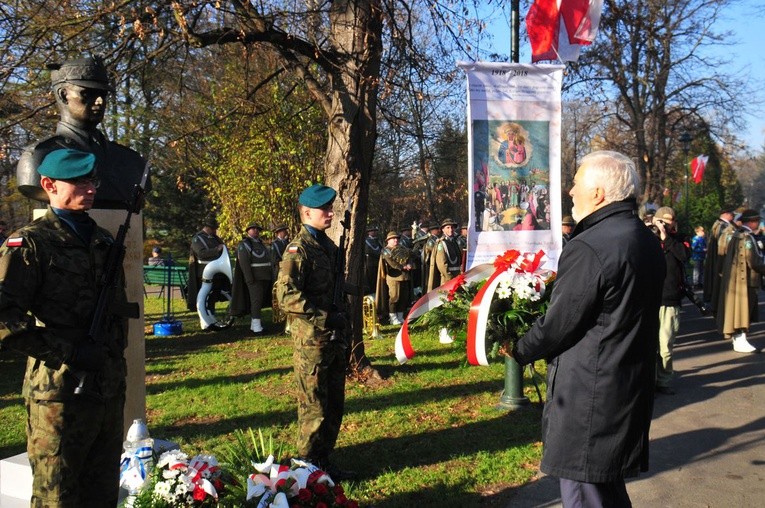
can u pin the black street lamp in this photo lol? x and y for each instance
(685, 143)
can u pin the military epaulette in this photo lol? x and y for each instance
(16, 241)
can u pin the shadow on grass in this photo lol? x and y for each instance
(12, 367)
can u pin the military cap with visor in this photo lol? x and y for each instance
(67, 164)
(86, 72)
(280, 227)
(391, 234)
(749, 215)
(253, 225)
(449, 222)
(317, 196)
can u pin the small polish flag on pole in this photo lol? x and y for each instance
(698, 165)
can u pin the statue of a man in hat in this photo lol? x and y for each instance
(81, 88)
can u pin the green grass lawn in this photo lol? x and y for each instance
(429, 434)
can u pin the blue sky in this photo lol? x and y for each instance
(746, 20)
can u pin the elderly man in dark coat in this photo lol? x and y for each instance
(600, 337)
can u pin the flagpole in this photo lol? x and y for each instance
(512, 395)
(685, 143)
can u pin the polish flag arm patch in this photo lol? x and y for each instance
(16, 241)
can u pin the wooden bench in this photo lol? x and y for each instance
(158, 276)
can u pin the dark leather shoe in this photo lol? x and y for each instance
(664, 390)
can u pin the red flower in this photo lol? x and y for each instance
(320, 489)
(199, 493)
(340, 498)
(322, 504)
(352, 504)
(338, 489)
(506, 260)
(305, 495)
(218, 484)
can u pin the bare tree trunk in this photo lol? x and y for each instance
(356, 33)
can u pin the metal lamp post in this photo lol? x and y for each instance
(685, 143)
(512, 395)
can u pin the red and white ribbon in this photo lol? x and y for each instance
(479, 308)
(431, 300)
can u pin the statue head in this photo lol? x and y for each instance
(81, 88)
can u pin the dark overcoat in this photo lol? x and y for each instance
(600, 336)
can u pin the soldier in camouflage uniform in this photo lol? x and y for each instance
(48, 292)
(305, 289)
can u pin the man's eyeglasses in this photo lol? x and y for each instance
(83, 182)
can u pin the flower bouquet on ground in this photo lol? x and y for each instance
(251, 478)
(177, 481)
(493, 313)
(268, 483)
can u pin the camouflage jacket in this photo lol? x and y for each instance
(48, 293)
(305, 287)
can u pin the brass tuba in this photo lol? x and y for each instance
(369, 317)
(206, 318)
(277, 314)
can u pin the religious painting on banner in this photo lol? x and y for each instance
(514, 130)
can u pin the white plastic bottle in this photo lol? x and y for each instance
(137, 460)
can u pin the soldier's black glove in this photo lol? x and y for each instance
(336, 321)
(88, 357)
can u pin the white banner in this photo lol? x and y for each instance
(514, 132)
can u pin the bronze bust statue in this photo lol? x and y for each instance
(81, 88)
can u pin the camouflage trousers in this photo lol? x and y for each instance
(74, 449)
(320, 375)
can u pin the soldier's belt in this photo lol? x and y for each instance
(256, 265)
(453, 269)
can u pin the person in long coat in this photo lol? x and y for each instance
(743, 268)
(600, 336)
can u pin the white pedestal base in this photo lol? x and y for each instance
(16, 477)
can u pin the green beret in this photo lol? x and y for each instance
(86, 72)
(66, 164)
(317, 196)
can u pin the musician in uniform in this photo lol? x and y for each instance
(278, 244)
(48, 297)
(406, 237)
(305, 290)
(742, 270)
(206, 246)
(394, 273)
(252, 278)
(430, 278)
(713, 262)
(372, 251)
(448, 256)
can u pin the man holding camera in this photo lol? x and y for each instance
(676, 255)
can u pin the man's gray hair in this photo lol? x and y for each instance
(614, 172)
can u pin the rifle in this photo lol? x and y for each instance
(688, 292)
(338, 299)
(97, 332)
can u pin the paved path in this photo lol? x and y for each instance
(708, 440)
